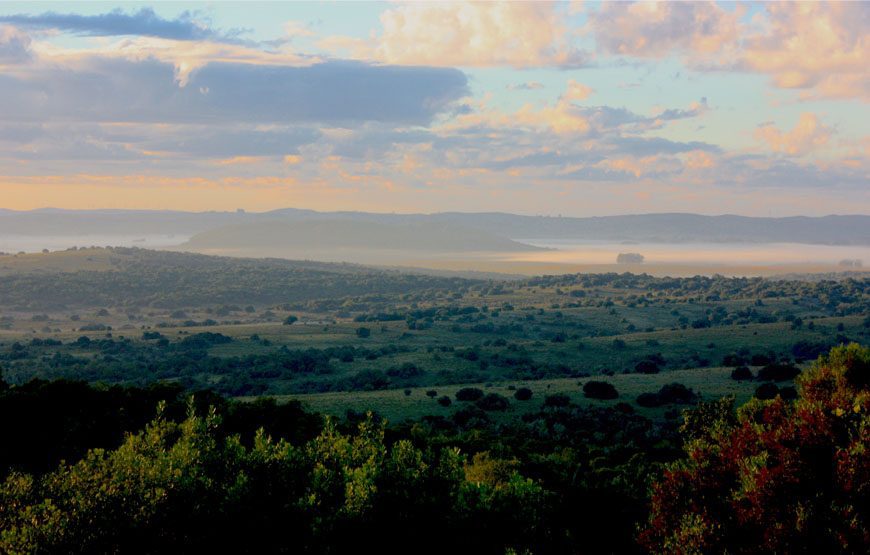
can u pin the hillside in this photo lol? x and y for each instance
(315, 236)
(134, 277)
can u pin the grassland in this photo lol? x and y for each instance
(360, 337)
(396, 405)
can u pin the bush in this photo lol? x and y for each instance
(405, 371)
(741, 373)
(204, 340)
(444, 401)
(369, 380)
(673, 393)
(523, 394)
(493, 402)
(363, 332)
(766, 391)
(600, 390)
(773, 477)
(778, 373)
(789, 393)
(647, 367)
(470, 417)
(648, 400)
(759, 360)
(557, 400)
(808, 350)
(469, 394)
(431, 393)
(677, 393)
(290, 320)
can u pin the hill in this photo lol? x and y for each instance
(317, 236)
(665, 228)
(134, 277)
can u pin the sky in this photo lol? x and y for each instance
(565, 108)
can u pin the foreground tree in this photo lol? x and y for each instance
(779, 477)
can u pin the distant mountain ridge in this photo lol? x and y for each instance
(316, 235)
(662, 228)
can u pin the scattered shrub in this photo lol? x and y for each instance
(493, 402)
(778, 373)
(469, 394)
(741, 373)
(766, 391)
(600, 390)
(789, 393)
(647, 367)
(523, 394)
(405, 371)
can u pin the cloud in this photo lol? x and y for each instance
(790, 174)
(808, 135)
(695, 109)
(561, 118)
(144, 22)
(577, 91)
(647, 146)
(527, 86)
(14, 46)
(700, 160)
(334, 93)
(240, 160)
(468, 34)
(186, 57)
(822, 48)
(656, 29)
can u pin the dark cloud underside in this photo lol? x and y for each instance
(332, 93)
(145, 22)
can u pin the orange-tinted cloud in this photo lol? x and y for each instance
(700, 160)
(808, 135)
(240, 160)
(821, 47)
(656, 29)
(468, 34)
(561, 117)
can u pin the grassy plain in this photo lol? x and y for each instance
(420, 333)
(397, 406)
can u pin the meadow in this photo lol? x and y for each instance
(339, 351)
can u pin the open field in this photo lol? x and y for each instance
(540, 266)
(246, 328)
(397, 406)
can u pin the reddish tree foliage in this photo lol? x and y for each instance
(779, 477)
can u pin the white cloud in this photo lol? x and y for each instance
(468, 34)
